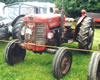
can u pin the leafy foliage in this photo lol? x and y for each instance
(74, 7)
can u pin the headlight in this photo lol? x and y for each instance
(50, 35)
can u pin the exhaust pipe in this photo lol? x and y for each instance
(62, 16)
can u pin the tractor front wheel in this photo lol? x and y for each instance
(86, 33)
(94, 67)
(14, 53)
(62, 63)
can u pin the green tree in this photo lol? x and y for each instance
(74, 7)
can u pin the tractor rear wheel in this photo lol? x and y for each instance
(86, 33)
(17, 29)
(94, 67)
(14, 53)
(62, 63)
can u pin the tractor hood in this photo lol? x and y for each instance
(48, 18)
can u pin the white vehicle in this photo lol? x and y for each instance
(11, 13)
(20, 8)
(45, 7)
(1, 8)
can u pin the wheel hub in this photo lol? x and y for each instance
(65, 64)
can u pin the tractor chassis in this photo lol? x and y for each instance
(49, 49)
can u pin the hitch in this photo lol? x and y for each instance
(51, 51)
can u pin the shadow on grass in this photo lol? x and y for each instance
(38, 59)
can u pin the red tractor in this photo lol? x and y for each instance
(39, 33)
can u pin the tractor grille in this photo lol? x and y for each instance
(39, 33)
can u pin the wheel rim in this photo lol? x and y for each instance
(91, 33)
(16, 56)
(65, 65)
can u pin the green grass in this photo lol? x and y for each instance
(39, 67)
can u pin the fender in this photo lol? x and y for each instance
(14, 21)
(80, 20)
(83, 12)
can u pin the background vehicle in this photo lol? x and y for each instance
(96, 18)
(12, 12)
(2, 29)
(1, 8)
